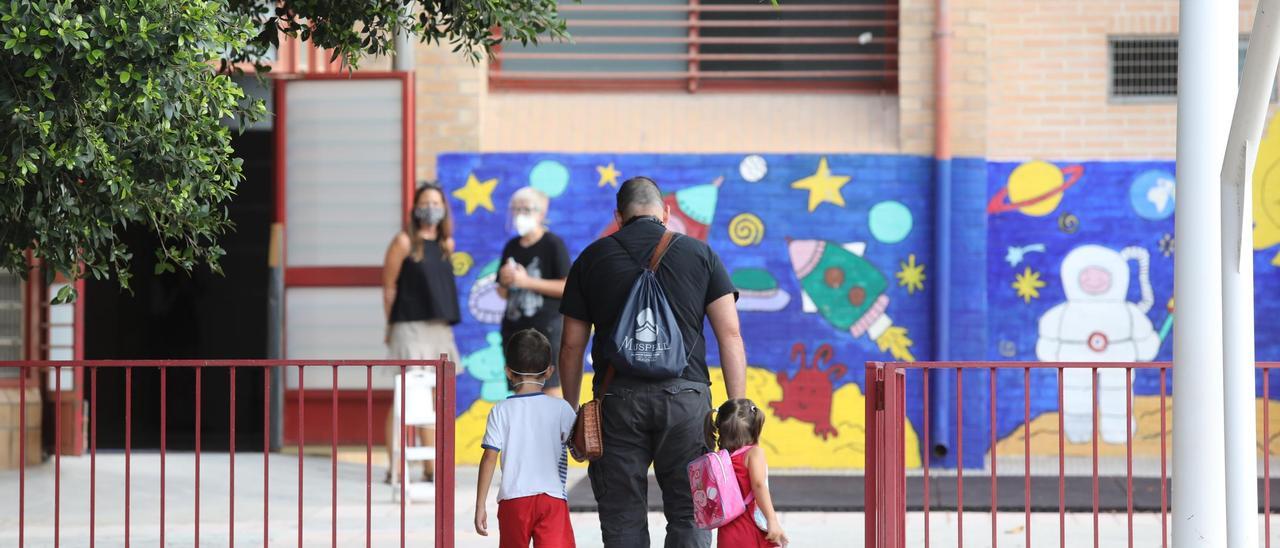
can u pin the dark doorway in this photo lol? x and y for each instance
(180, 316)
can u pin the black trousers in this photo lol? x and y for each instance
(650, 422)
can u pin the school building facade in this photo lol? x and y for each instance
(811, 145)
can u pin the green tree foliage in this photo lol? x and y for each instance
(110, 111)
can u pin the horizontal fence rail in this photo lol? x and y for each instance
(444, 476)
(890, 493)
(711, 45)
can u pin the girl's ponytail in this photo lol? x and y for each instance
(710, 430)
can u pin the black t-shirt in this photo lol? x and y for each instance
(601, 279)
(548, 259)
(426, 289)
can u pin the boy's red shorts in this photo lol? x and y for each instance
(541, 518)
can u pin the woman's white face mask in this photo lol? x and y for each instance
(524, 223)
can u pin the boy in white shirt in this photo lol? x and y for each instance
(529, 429)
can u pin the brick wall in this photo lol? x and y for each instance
(968, 77)
(685, 123)
(449, 99)
(1048, 80)
(1028, 79)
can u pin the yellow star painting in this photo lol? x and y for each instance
(911, 275)
(476, 193)
(823, 187)
(608, 175)
(1028, 284)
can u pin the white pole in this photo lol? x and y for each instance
(403, 58)
(1237, 274)
(1207, 50)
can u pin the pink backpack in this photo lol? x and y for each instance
(717, 499)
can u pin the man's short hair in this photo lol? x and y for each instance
(528, 351)
(636, 194)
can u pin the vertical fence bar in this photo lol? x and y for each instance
(164, 405)
(899, 441)
(446, 393)
(266, 450)
(368, 456)
(870, 466)
(1128, 446)
(93, 456)
(1094, 439)
(196, 523)
(231, 455)
(995, 540)
(888, 497)
(1266, 455)
(302, 384)
(333, 459)
(57, 456)
(128, 447)
(1026, 453)
(928, 448)
(1164, 464)
(22, 459)
(401, 469)
(1062, 469)
(959, 457)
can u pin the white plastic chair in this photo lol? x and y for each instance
(419, 412)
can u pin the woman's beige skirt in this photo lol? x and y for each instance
(424, 340)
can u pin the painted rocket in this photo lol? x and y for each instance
(692, 210)
(848, 291)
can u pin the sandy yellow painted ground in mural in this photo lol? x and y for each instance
(1146, 440)
(790, 443)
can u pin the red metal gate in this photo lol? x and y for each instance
(886, 490)
(445, 403)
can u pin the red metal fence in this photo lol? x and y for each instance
(445, 405)
(887, 486)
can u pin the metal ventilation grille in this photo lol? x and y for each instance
(1148, 67)
(711, 45)
(1145, 67)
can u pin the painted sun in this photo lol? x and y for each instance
(911, 275)
(1028, 284)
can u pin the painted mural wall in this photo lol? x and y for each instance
(830, 254)
(1080, 264)
(1061, 261)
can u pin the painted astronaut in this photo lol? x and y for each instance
(1097, 324)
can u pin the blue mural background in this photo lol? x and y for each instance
(990, 320)
(584, 209)
(1108, 203)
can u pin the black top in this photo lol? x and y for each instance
(547, 259)
(426, 289)
(601, 279)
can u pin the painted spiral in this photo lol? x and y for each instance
(1068, 223)
(746, 230)
(462, 263)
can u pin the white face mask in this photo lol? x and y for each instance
(525, 224)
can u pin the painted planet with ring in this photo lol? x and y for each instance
(1035, 189)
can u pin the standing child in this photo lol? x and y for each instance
(529, 430)
(737, 427)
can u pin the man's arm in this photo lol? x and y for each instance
(573, 342)
(723, 313)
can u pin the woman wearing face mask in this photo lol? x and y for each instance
(535, 264)
(419, 294)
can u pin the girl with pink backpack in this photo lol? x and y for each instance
(731, 485)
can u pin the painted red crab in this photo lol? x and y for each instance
(807, 396)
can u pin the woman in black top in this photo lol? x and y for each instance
(419, 293)
(534, 266)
